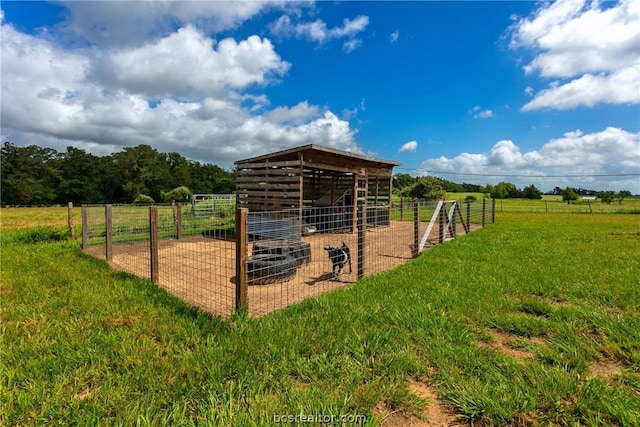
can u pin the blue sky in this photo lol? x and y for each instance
(482, 92)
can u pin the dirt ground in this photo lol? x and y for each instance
(201, 270)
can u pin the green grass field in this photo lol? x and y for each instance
(534, 320)
(551, 204)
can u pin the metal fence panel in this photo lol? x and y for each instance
(291, 254)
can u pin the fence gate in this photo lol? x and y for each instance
(447, 214)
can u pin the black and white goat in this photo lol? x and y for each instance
(339, 257)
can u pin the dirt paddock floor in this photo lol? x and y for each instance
(201, 270)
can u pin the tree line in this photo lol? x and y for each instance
(434, 188)
(34, 175)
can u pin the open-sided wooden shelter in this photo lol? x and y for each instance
(315, 176)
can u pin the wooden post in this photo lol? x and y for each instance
(401, 208)
(301, 196)
(443, 214)
(85, 227)
(72, 233)
(415, 249)
(362, 229)
(108, 233)
(179, 221)
(484, 210)
(493, 211)
(354, 210)
(242, 215)
(153, 244)
(452, 224)
(466, 224)
(469, 213)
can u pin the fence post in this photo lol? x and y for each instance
(153, 243)
(241, 258)
(415, 249)
(85, 226)
(484, 210)
(179, 221)
(72, 232)
(108, 233)
(362, 228)
(443, 213)
(453, 220)
(469, 214)
(493, 211)
(401, 208)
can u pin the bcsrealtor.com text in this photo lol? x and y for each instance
(358, 419)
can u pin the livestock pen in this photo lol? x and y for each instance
(262, 261)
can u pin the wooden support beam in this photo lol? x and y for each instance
(153, 244)
(242, 216)
(85, 227)
(72, 232)
(108, 233)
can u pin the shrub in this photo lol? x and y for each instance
(179, 194)
(143, 199)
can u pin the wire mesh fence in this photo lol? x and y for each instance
(189, 254)
(265, 261)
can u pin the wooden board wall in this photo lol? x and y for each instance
(288, 183)
(269, 186)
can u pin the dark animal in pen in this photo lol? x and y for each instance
(339, 257)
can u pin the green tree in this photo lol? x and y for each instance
(206, 179)
(30, 175)
(503, 190)
(569, 195)
(531, 192)
(606, 196)
(621, 195)
(179, 170)
(428, 187)
(472, 188)
(41, 176)
(145, 171)
(402, 181)
(80, 175)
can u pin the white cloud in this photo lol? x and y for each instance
(620, 87)
(186, 64)
(351, 45)
(105, 23)
(49, 98)
(608, 152)
(593, 49)
(317, 31)
(297, 114)
(409, 147)
(393, 37)
(479, 113)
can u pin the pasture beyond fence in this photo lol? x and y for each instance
(232, 259)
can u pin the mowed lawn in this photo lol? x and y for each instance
(534, 320)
